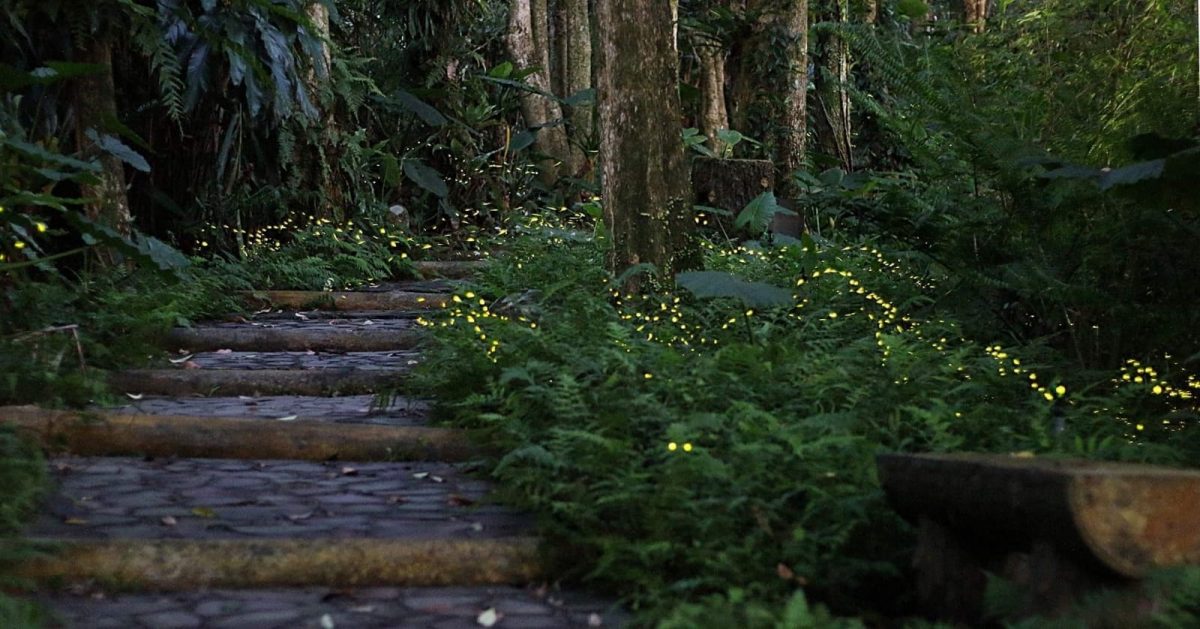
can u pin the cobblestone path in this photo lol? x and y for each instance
(309, 538)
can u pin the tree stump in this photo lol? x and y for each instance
(1056, 529)
(729, 184)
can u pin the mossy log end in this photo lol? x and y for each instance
(265, 339)
(1129, 518)
(347, 300)
(103, 433)
(173, 565)
(448, 269)
(342, 381)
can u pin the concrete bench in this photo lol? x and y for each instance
(1055, 528)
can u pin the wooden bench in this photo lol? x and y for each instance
(1055, 528)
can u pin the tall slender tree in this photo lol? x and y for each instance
(528, 40)
(793, 124)
(575, 69)
(645, 182)
(832, 112)
(95, 104)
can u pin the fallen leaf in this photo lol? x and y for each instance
(301, 317)
(327, 622)
(204, 512)
(421, 475)
(368, 322)
(300, 516)
(310, 353)
(169, 521)
(181, 359)
(75, 521)
(224, 351)
(349, 471)
(437, 479)
(477, 527)
(363, 609)
(135, 396)
(594, 620)
(488, 617)
(456, 500)
(784, 572)
(288, 418)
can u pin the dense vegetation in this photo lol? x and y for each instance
(998, 256)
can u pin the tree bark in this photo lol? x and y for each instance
(713, 114)
(528, 44)
(976, 14)
(791, 143)
(577, 77)
(833, 96)
(331, 192)
(95, 106)
(644, 177)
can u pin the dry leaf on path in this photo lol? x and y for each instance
(594, 620)
(135, 396)
(288, 418)
(488, 617)
(181, 359)
(169, 521)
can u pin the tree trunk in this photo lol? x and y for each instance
(791, 143)
(528, 44)
(976, 14)
(833, 96)
(644, 177)
(577, 77)
(713, 114)
(331, 192)
(95, 106)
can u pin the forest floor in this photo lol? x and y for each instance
(270, 489)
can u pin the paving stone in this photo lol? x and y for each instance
(347, 409)
(264, 498)
(389, 608)
(305, 360)
(170, 620)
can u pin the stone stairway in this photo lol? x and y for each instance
(252, 481)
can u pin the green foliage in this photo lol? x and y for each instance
(676, 448)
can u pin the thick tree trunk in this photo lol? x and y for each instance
(713, 114)
(833, 96)
(645, 179)
(528, 44)
(95, 105)
(976, 14)
(791, 143)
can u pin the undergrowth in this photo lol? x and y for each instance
(707, 459)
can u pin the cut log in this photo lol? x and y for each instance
(449, 269)
(338, 381)
(101, 433)
(1132, 518)
(1057, 528)
(227, 563)
(265, 339)
(347, 300)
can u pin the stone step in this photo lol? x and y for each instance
(299, 337)
(200, 523)
(300, 360)
(363, 608)
(349, 409)
(326, 382)
(450, 269)
(385, 300)
(107, 433)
